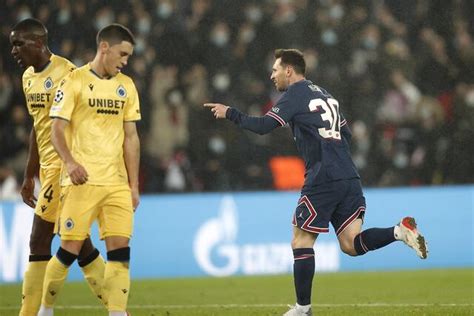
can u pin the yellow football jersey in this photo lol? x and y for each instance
(97, 109)
(39, 88)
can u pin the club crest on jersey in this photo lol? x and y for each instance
(48, 83)
(121, 92)
(59, 96)
(69, 224)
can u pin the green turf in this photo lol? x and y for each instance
(427, 292)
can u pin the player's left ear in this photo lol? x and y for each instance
(103, 46)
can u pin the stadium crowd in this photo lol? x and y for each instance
(402, 71)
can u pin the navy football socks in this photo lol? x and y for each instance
(373, 238)
(303, 271)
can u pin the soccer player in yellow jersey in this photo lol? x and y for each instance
(43, 74)
(99, 106)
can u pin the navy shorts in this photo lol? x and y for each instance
(339, 202)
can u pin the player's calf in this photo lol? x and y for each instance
(56, 273)
(40, 253)
(117, 280)
(93, 267)
(372, 239)
(41, 236)
(356, 243)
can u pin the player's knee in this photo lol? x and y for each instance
(116, 242)
(297, 242)
(293, 243)
(120, 254)
(87, 248)
(302, 241)
(348, 248)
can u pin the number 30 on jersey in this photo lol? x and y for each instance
(331, 115)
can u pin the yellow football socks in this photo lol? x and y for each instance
(56, 273)
(32, 288)
(94, 275)
(116, 285)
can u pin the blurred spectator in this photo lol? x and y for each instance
(14, 140)
(8, 185)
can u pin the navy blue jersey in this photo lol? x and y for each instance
(320, 131)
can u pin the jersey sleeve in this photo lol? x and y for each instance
(345, 130)
(132, 109)
(257, 124)
(64, 99)
(283, 111)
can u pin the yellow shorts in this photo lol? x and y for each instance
(82, 204)
(48, 198)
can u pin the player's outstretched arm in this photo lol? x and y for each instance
(31, 170)
(131, 153)
(257, 124)
(77, 172)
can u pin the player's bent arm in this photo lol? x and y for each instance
(257, 124)
(31, 170)
(76, 172)
(131, 153)
(59, 140)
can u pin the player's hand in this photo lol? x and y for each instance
(219, 110)
(135, 198)
(27, 192)
(77, 173)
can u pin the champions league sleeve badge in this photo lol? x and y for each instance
(121, 92)
(48, 83)
(59, 96)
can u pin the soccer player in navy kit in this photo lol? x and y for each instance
(332, 190)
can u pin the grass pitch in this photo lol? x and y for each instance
(424, 292)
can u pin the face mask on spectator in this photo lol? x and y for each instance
(221, 82)
(400, 160)
(369, 42)
(220, 38)
(329, 37)
(144, 26)
(164, 10)
(247, 35)
(139, 45)
(336, 12)
(104, 19)
(254, 14)
(217, 145)
(64, 16)
(175, 98)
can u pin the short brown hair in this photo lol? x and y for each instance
(114, 34)
(292, 57)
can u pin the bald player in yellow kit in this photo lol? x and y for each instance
(99, 106)
(43, 74)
